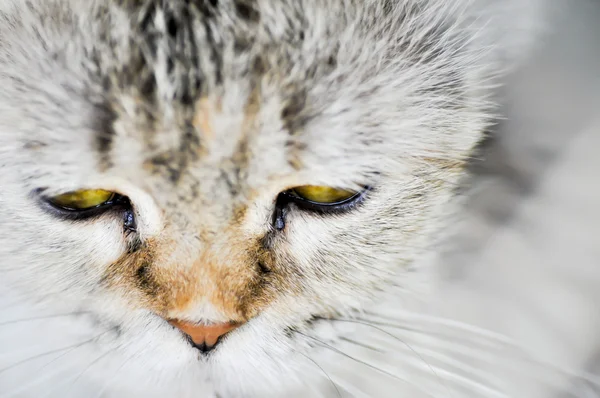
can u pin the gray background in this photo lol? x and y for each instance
(527, 259)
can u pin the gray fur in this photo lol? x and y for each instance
(389, 94)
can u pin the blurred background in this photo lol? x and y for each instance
(527, 259)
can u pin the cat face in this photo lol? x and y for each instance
(208, 128)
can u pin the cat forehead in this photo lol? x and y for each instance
(239, 80)
(172, 54)
(251, 82)
(207, 78)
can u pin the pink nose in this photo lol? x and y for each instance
(204, 337)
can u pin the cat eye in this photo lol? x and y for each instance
(86, 203)
(83, 199)
(317, 198)
(322, 194)
(323, 199)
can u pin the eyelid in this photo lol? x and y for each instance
(296, 195)
(339, 207)
(149, 217)
(106, 198)
(118, 203)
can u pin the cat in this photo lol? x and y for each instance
(201, 197)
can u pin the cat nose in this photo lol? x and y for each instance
(204, 337)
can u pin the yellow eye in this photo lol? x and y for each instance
(322, 194)
(83, 199)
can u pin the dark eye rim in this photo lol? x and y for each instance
(117, 202)
(288, 197)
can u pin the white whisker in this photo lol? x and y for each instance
(339, 394)
(366, 364)
(478, 343)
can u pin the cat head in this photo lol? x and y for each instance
(250, 163)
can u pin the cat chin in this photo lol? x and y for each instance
(137, 354)
(254, 362)
(102, 345)
(155, 363)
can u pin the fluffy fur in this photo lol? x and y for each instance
(201, 112)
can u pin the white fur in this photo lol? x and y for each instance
(51, 268)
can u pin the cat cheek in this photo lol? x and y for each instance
(104, 242)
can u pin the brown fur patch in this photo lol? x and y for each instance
(294, 153)
(227, 276)
(203, 119)
(230, 271)
(239, 213)
(445, 164)
(238, 163)
(251, 111)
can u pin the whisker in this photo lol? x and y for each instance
(79, 345)
(37, 301)
(382, 371)
(467, 339)
(39, 380)
(474, 330)
(39, 371)
(397, 339)
(477, 335)
(19, 392)
(447, 361)
(359, 344)
(339, 394)
(91, 364)
(38, 318)
(116, 373)
(57, 358)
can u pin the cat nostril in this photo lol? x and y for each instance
(204, 337)
(202, 347)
